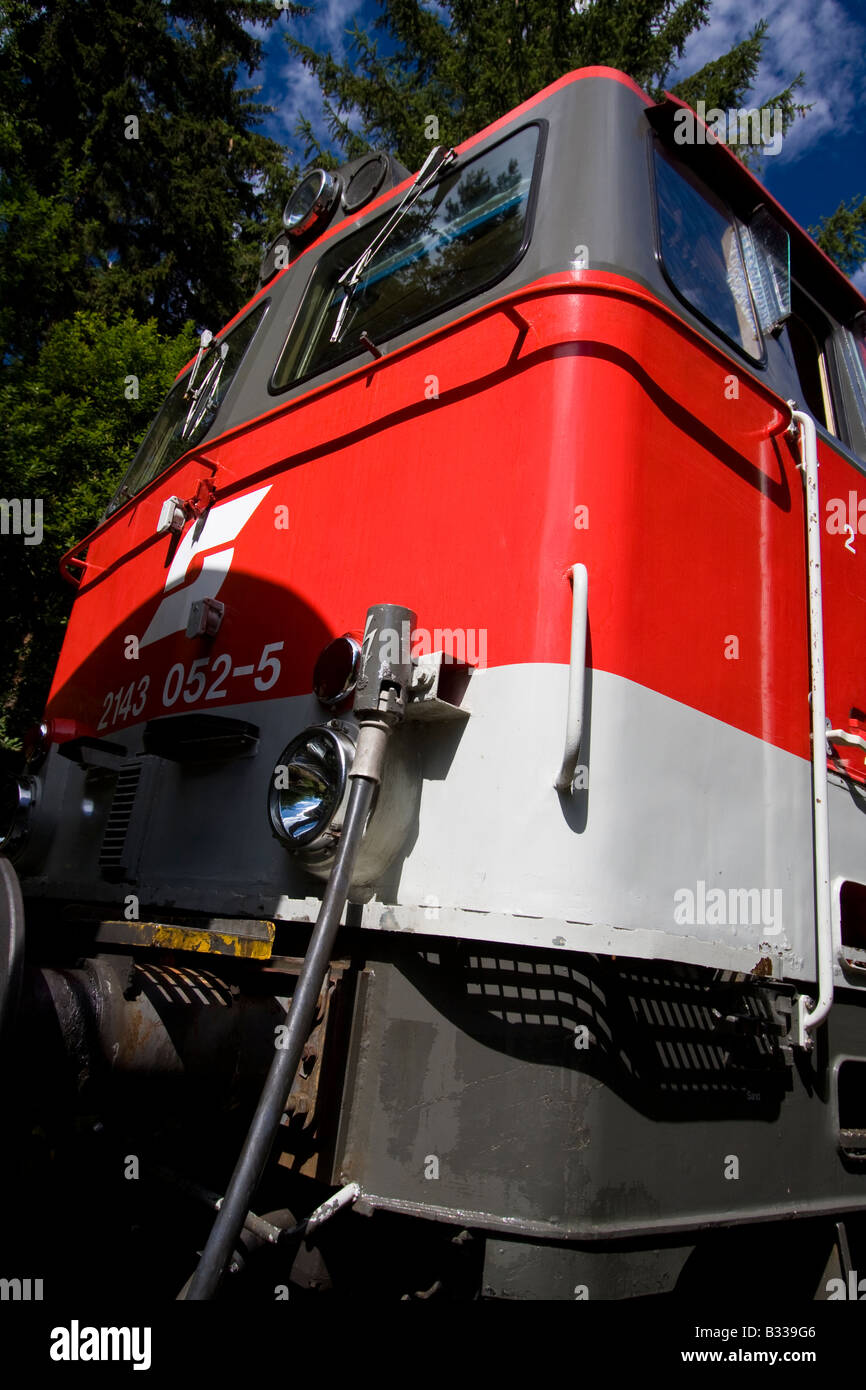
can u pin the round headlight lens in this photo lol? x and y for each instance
(311, 202)
(308, 787)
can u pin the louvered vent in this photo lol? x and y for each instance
(117, 825)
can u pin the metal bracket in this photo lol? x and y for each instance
(801, 1024)
(432, 675)
(205, 617)
(842, 736)
(175, 512)
(172, 517)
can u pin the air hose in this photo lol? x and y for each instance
(380, 704)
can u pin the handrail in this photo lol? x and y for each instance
(809, 1013)
(576, 679)
(70, 558)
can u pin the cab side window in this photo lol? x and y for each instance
(701, 255)
(187, 415)
(851, 359)
(806, 338)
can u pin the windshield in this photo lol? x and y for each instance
(460, 236)
(188, 415)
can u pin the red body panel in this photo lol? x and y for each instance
(580, 392)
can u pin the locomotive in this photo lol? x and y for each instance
(442, 854)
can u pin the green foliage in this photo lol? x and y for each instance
(842, 234)
(69, 432)
(132, 175)
(474, 60)
(109, 246)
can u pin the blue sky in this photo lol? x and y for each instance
(823, 158)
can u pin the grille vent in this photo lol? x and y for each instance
(117, 825)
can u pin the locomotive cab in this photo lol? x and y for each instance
(475, 623)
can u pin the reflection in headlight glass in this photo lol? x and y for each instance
(313, 776)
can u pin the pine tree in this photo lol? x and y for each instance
(476, 59)
(72, 420)
(132, 173)
(842, 234)
(135, 193)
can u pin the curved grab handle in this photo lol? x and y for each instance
(576, 678)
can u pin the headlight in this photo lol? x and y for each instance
(311, 202)
(309, 794)
(337, 669)
(16, 804)
(308, 791)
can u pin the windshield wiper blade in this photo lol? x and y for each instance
(435, 162)
(204, 394)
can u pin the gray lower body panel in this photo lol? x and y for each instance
(589, 1099)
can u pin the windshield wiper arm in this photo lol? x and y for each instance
(435, 162)
(204, 343)
(204, 394)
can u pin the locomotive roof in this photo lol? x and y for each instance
(720, 168)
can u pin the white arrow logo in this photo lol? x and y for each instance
(222, 524)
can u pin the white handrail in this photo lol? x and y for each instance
(576, 679)
(809, 1012)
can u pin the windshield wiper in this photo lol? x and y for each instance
(204, 343)
(203, 395)
(435, 162)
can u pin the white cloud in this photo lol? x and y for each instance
(299, 95)
(256, 27)
(858, 279)
(329, 23)
(818, 36)
(291, 88)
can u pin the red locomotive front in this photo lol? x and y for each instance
(472, 643)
